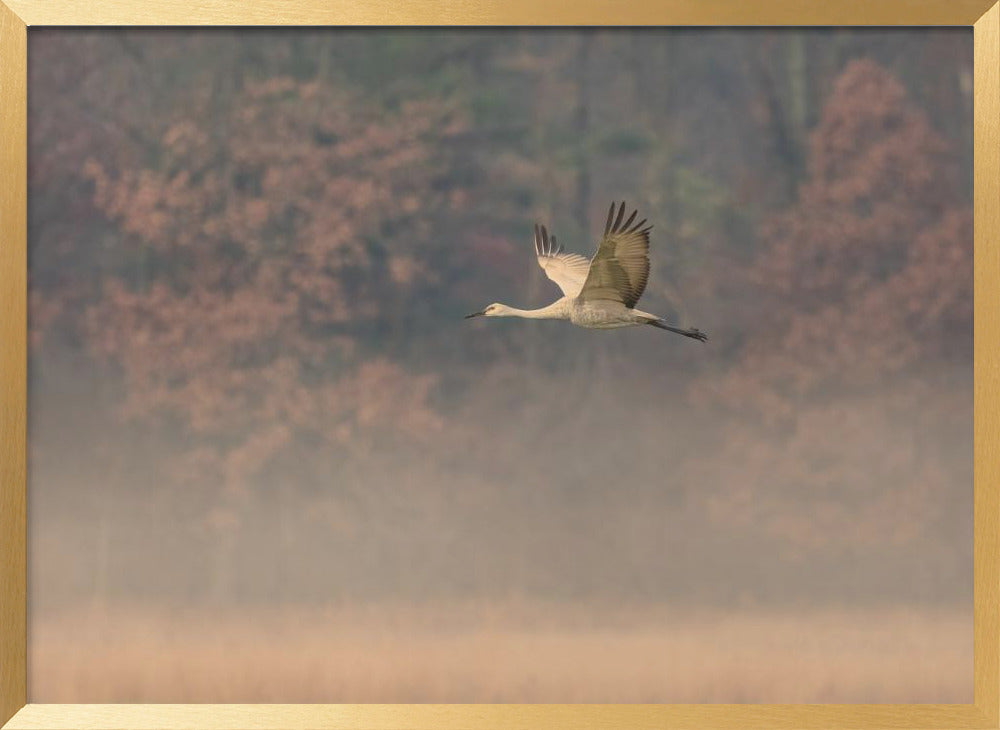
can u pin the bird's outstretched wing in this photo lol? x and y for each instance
(568, 270)
(620, 268)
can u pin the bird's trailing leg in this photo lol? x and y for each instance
(693, 332)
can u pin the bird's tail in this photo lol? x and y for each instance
(694, 333)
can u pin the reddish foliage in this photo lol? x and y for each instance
(266, 224)
(869, 274)
(843, 388)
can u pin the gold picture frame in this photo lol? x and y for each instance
(16, 16)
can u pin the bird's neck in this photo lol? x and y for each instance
(556, 310)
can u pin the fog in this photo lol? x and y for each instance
(262, 434)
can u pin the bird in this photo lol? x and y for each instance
(600, 293)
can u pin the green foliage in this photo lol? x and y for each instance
(624, 142)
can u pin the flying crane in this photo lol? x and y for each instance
(600, 293)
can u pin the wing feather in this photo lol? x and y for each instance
(620, 268)
(567, 270)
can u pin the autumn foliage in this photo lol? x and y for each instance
(265, 227)
(866, 293)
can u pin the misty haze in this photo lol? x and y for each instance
(271, 462)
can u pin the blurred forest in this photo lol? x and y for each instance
(250, 379)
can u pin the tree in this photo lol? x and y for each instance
(868, 274)
(861, 332)
(250, 330)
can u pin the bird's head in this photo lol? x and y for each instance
(494, 310)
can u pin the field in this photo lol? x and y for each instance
(513, 652)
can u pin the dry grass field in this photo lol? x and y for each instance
(500, 653)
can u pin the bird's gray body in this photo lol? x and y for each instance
(603, 315)
(599, 293)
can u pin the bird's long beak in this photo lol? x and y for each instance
(475, 314)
